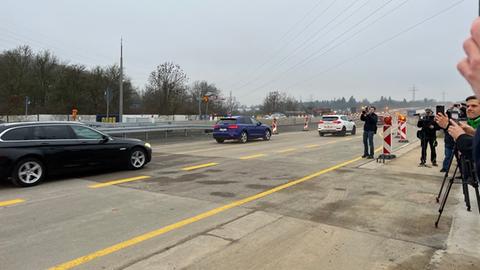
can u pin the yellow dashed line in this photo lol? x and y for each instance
(11, 202)
(287, 150)
(119, 181)
(185, 222)
(252, 156)
(312, 146)
(199, 166)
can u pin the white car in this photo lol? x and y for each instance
(336, 124)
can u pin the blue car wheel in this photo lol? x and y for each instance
(243, 137)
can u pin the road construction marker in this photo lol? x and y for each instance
(11, 202)
(119, 181)
(141, 238)
(252, 156)
(199, 166)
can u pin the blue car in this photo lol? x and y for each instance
(240, 128)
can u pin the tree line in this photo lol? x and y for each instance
(51, 86)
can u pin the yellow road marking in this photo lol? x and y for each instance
(252, 156)
(286, 150)
(185, 222)
(199, 166)
(11, 202)
(119, 181)
(312, 146)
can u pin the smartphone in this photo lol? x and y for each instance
(440, 109)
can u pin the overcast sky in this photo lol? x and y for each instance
(311, 49)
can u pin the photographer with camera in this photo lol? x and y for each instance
(428, 136)
(443, 121)
(369, 130)
(463, 129)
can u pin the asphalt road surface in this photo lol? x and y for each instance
(203, 205)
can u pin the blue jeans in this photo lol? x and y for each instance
(368, 142)
(448, 157)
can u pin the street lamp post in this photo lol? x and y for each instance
(27, 102)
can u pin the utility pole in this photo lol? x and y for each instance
(230, 103)
(27, 101)
(120, 107)
(199, 105)
(414, 90)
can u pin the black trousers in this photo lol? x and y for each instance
(433, 154)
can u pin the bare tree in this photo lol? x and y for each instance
(167, 87)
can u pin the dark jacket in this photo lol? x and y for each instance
(370, 121)
(428, 127)
(465, 145)
(476, 150)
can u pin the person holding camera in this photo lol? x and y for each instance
(369, 130)
(469, 67)
(463, 131)
(428, 136)
(442, 120)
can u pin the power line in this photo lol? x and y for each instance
(312, 56)
(277, 51)
(316, 33)
(406, 30)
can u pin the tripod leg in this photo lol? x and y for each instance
(466, 194)
(445, 179)
(444, 200)
(478, 196)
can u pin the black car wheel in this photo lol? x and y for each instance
(343, 132)
(267, 135)
(321, 134)
(220, 140)
(137, 158)
(354, 130)
(28, 172)
(243, 137)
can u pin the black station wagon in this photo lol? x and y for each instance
(31, 151)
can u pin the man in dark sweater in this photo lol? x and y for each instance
(428, 136)
(369, 130)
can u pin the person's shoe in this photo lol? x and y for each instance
(443, 170)
(370, 157)
(364, 156)
(434, 164)
(422, 164)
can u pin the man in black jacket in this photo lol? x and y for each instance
(428, 136)
(369, 130)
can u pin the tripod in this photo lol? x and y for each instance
(469, 177)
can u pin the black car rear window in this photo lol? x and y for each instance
(229, 121)
(18, 134)
(329, 118)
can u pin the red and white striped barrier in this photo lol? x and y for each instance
(275, 126)
(387, 143)
(305, 124)
(403, 132)
(398, 130)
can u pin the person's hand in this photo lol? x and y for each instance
(470, 66)
(442, 120)
(468, 129)
(455, 130)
